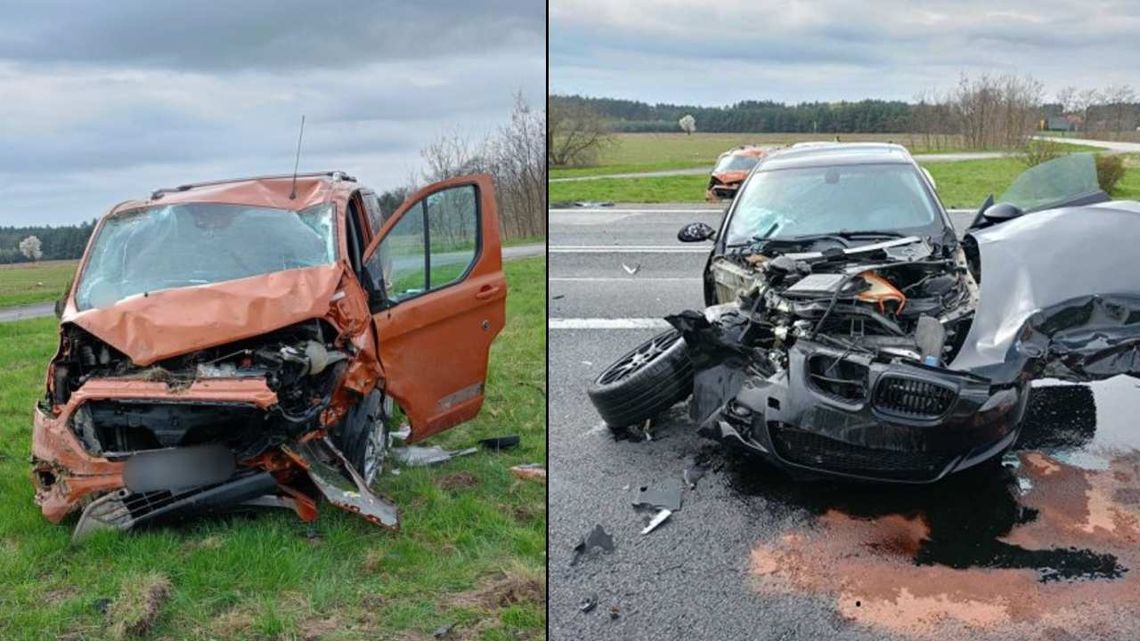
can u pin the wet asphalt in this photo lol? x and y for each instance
(755, 555)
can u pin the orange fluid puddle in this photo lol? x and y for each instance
(1063, 566)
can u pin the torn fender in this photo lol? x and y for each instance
(335, 477)
(1060, 295)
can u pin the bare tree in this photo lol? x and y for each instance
(1119, 102)
(996, 112)
(31, 248)
(688, 124)
(575, 134)
(515, 155)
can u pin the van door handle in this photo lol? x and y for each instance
(487, 292)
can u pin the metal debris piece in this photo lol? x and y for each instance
(559, 296)
(615, 612)
(665, 495)
(657, 520)
(693, 474)
(418, 455)
(588, 603)
(500, 442)
(631, 270)
(530, 471)
(597, 538)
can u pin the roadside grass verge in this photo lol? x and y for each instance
(28, 283)
(964, 184)
(471, 551)
(661, 189)
(645, 152)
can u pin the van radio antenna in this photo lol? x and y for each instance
(297, 161)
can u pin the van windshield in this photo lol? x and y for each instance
(190, 244)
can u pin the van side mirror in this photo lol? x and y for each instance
(695, 233)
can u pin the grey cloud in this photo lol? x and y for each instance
(263, 34)
(105, 102)
(831, 49)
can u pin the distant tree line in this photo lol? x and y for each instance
(750, 116)
(63, 242)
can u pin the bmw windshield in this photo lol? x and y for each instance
(806, 201)
(182, 245)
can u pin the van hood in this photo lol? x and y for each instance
(158, 325)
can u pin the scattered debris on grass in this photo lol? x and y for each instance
(418, 455)
(597, 538)
(101, 605)
(137, 608)
(530, 471)
(657, 520)
(588, 604)
(443, 631)
(500, 442)
(663, 496)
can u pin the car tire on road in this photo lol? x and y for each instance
(645, 382)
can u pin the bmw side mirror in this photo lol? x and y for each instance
(695, 233)
(1002, 212)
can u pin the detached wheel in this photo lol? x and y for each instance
(645, 382)
(364, 435)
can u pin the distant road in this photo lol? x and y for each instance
(1114, 146)
(40, 310)
(27, 311)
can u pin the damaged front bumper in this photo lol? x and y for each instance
(133, 487)
(830, 414)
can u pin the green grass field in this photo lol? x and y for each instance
(631, 153)
(27, 283)
(963, 184)
(472, 549)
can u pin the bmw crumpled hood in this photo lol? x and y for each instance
(162, 324)
(1060, 295)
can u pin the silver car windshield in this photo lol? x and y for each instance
(786, 203)
(200, 243)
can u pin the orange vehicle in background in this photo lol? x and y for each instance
(731, 169)
(248, 342)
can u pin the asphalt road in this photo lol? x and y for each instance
(753, 555)
(40, 310)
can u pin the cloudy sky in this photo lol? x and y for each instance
(101, 102)
(719, 52)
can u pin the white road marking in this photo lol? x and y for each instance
(625, 249)
(584, 279)
(608, 323)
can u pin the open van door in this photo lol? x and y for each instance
(438, 299)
